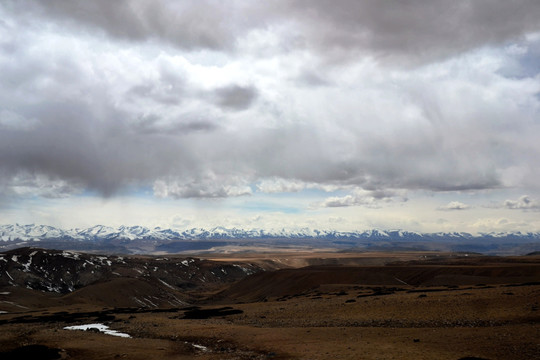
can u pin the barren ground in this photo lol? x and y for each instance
(341, 306)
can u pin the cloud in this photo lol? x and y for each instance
(489, 225)
(522, 58)
(167, 94)
(31, 185)
(454, 205)
(209, 187)
(523, 203)
(392, 31)
(310, 78)
(104, 155)
(280, 186)
(107, 96)
(155, 125)
(283, 185)
(187, 24)
(235, 97)
(359, 197)
(107, 144)
(397, 32)
(12, 120)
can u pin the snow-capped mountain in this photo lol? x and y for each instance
(140, 239)
(29, 232)
(130, 233)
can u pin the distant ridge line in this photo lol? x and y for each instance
(16, 232)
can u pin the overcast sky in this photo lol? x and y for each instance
(343, 114)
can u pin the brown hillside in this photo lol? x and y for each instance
(296, 281)
(126, 292)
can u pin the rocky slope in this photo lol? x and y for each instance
(112, 280)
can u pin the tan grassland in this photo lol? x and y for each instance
(306, 306)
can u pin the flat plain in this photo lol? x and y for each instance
(296, 305)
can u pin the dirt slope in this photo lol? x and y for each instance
(284, 282)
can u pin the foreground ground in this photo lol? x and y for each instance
(337, 308)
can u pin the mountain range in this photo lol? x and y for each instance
(33, 232)
(143, 239)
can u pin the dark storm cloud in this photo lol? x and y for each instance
(306, 153)
(104, 155)
(72, 120)
(396, 31)
(206, 185)
(152, 125)
(107, 155)
(187, 24)
(410, 31)
(31, 185)
(420, 159)
(235, 97)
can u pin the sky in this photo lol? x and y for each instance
(336, 115)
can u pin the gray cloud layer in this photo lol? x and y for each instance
(408, 31)
(236, 97)
(186, 24)
(90, 103)
(393, 30)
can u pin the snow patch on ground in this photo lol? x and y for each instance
(27, 265)
(199, 347)
(51, 288)
(9, 275)
(167, 285)
(187, 262)
(247, 271)
(70, 255)
(100, 327)
(14, 304)
(145, 302)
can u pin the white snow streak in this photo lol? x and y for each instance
(100, 327)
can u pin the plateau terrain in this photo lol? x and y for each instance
(274, 305)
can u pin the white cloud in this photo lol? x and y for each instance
(488, 225)
(210, 187)
(280, 185)
(523, 203)
(454, 205)
(283, 185)
(360, 197)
